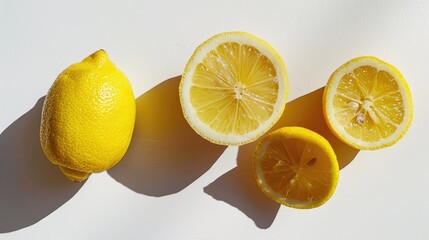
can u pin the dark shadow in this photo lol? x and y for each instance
(238, 187)
(165, 154)
(30, 186)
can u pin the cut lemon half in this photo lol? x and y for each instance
(233, 89)
(296, 167)
(367, 104)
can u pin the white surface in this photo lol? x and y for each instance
(172, 184)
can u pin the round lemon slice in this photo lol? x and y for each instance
(233, 89)
(296, 167)
(367, 104)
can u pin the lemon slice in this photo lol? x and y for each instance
(367, 104)
(296, 167)
(233, 89)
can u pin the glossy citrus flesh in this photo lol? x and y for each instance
(296, 167)
(233, 89)
(367, 103)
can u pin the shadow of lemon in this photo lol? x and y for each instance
(165, 154)
(31, 187)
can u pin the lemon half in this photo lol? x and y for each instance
(296, 167)
(234, 88)
(367, 103)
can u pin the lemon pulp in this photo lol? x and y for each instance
(367, 103)
(296, 167)
(234, 88)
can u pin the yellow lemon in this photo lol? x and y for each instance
(234, 88)
(88, 117)
(296, 167)
(367, 103)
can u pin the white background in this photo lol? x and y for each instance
(174, 185)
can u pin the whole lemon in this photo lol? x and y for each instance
(88, 117)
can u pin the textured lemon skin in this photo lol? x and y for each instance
(88, 117)
(406, 94)
(304, 135)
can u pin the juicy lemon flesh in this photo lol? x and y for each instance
(234, 89)
(297, 173)
(369, 104)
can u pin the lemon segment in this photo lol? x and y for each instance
(296, 167)
(233, 89)
(367, 103)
